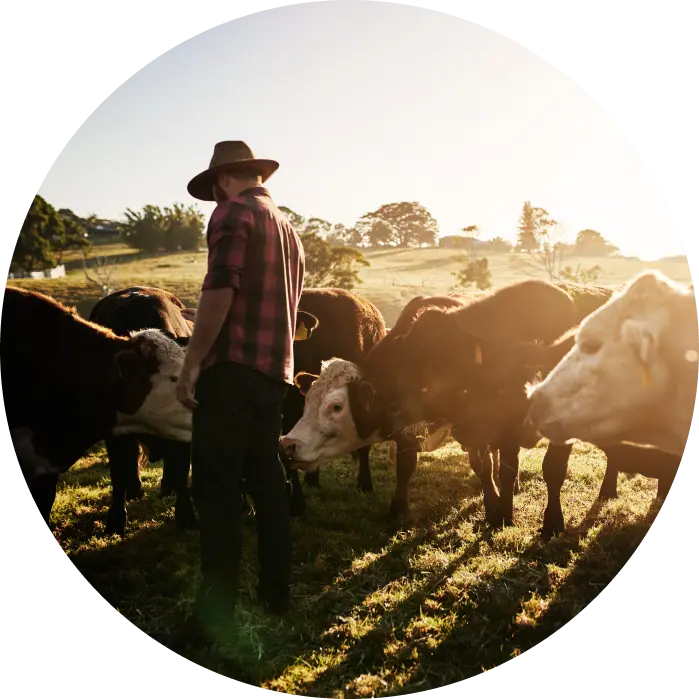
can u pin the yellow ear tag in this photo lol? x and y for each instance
(301, 332)
(645, 375)
(478, 355)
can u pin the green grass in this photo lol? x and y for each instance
(375, 612)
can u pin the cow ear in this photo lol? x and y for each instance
(303, 381)
(128, 365)
(305, 325)
(365, 395)
(640, 336)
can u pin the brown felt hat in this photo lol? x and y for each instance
(229, 156)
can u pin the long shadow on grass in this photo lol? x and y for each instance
(607, 555)
(485, 611)
(529, 603)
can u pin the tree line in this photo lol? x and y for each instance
(333, 251)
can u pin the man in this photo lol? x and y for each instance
(235, 376)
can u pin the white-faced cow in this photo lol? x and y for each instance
(631, 375)
(348, 326)
(124, 312)
(331, 426)
(68, 383)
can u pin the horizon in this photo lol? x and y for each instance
(357, 118)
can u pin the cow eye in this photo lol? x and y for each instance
(590, 346)
(336, 407)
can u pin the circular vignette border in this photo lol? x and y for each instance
(637, 66)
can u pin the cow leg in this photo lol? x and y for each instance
(406, 464)
(312, 479)
(482, 462)
(134, 486)
(509, 475)
(176, 458)
(297, 501)
(608, 489)
(43, 492)
(364, 482)
(555, 468)
(123, 454)
(496, 471)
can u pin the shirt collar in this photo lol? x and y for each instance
(254, 192)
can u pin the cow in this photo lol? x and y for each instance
(631, 375)
(69, 383)
(470, 366)
(328, 426)
(123, 312)
(437, 353)
(348, 326)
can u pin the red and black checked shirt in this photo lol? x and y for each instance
(254, 250)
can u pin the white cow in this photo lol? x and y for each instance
(632, 374)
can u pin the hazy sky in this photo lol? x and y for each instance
(366, 103)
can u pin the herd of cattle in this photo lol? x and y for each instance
(495, 370)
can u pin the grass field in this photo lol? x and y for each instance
(375, 611)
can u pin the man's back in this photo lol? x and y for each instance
(254, 249)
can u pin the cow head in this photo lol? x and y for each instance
(327, 428)
(618, 373)
(145, 374)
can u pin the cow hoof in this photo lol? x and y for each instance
(553, 526)
(297, 507)
(116, 523)
(134, 493)
(185, 519)
(365, 486)
(312, 479)
(398, 511)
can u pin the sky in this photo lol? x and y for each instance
(366, 103)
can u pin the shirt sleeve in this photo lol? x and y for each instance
(228, 241)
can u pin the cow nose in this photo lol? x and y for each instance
(288, 446)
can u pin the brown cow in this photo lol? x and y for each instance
(331, 427)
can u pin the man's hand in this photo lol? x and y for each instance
(187, 384)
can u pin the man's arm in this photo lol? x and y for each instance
(227, 253)
(211, 313)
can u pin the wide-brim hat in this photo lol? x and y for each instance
(230, 156)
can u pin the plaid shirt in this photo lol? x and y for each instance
(254, 250)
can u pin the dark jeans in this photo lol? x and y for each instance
(236, 429)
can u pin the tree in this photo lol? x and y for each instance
(476, 272)
(185, 227)
(296, 220)
(73, 236)
(548, 258)
(498, 244)
(100, 271)
(145, 230)
(45, 235)
(318, 226)
(403, 224)
(590, 243)
(534, 223)
(331, 266)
